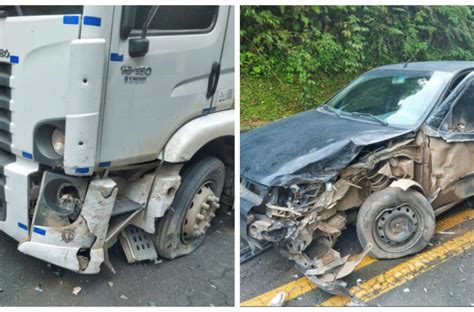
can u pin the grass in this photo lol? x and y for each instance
(263, 100)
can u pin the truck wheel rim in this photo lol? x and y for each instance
(200, 213)
(398, 229)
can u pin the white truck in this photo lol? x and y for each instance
(116, 124)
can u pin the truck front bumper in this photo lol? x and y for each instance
(77, 244)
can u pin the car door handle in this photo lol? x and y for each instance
(213, 79)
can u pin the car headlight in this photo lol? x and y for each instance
(57, 140)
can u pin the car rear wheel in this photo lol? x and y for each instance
(185, 224)
(395, 222)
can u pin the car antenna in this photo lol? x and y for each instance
(411, 57)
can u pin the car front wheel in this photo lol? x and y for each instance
(396, 222)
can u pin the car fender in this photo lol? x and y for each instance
(406, 184)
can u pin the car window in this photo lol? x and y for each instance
(461, 118)
(397, 97)
(456, 82)
(177, 19)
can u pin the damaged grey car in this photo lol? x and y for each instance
(389, 152)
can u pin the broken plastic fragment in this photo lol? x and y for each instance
(278, 300)
(76, 290)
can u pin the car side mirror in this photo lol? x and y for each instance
(139, 46)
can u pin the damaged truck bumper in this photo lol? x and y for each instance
(75, 243)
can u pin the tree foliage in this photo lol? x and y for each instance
(298, 43)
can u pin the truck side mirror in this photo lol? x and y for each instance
(127, 22)
(139, 46)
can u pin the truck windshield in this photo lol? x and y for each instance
(395, 97)
(28, 10)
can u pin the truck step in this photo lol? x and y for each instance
(137, 244)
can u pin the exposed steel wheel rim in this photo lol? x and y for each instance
(200, 213)
(398, 229)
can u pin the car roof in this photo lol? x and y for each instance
(444, 66)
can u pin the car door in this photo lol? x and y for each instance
(451, 147)
(149, 97)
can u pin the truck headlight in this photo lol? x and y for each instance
(57, 140)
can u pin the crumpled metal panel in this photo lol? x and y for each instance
(60, 245)
(307, 147)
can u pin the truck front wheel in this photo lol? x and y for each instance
(395, 222)
(184, 226)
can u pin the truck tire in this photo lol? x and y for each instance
(396, 222)
(183, 229)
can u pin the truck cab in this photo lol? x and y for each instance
(116, 121)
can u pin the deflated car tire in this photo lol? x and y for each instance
(396, 222)
(185, 224)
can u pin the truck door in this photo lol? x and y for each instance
(149, 97)
(451, 145)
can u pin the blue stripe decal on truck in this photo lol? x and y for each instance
(71, 19)
(105, 164)
(27, 155)
(39, 231)
(92, 20)
(14, 59)
(22, 226)
(82, 170)
(115, 57)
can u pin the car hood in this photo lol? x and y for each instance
(307, 147)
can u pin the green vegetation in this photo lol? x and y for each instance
(294, 57)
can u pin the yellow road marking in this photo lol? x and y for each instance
(302, 285)
(406, 271)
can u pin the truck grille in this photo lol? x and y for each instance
(6, 156)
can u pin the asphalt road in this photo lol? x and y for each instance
(449, 283)
(203, 278)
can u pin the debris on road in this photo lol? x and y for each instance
(406, 290)
(123, 297)
(1, 290)
(214, 286)
(76, 290)
(39, 288)
(111, 284)
(426, 290)
(359, 281)
(447, 233)
(158, 261)
(451, 294)
(278, 300)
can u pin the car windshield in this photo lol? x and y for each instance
(395, 97)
